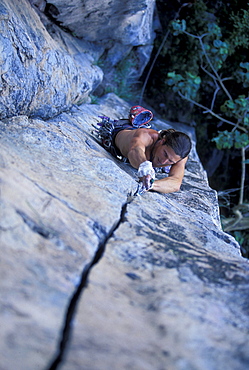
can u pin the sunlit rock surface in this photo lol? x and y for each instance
(170, 291)
(92, 277)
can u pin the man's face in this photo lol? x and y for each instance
(164, 155)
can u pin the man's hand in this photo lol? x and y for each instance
(146, 174)
(142, 187)
(147, 182)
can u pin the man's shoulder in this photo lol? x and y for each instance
(143, 132)
(147, 131)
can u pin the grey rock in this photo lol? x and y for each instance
(172, 317)
(39, 76)
(51, 177)
(125, 30)
(169, 288)
(149, 282)
(129, 23)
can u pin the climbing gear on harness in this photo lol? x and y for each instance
(140, 117)
(105, 130)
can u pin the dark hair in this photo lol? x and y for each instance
(177, 140)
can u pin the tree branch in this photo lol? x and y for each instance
(207, 110)
(214, 70)
(243, 176)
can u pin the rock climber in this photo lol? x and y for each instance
(147, 149)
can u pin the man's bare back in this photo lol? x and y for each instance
(127, 139)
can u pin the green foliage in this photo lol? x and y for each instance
(178, 26)
(239, 237)
(213, 52)
(240, 140)
(188, 85)
(124, 81)
(218, 52)
(240, 26)
(224, 140)
(204, 62)
(237, 108)
(243, 76)
(242, 237)
(94, 99)
(229, 139)
(99, 62)
(214, 30)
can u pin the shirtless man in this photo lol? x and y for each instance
(147, 149)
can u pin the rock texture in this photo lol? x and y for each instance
(39, 76)
(170, 291)
(125, 31)
(91, 276)
(129, 23)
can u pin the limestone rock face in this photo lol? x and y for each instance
(127, 22)
(149, 282)
(124, 29)
(39, 76)
(91, 276)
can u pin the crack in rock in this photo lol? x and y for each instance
(72, 306)
(41, 230)
(45, 232)
(64, 202)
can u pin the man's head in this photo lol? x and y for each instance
(177, 140)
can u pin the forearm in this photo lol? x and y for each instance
(167, 185)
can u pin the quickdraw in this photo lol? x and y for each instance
(105, 129)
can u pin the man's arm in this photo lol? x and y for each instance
(136, 144)
(138, 159)
(137, 156)
(173, 182)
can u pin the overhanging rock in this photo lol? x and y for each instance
(170, 291)
(40, 77)
(103, 20)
